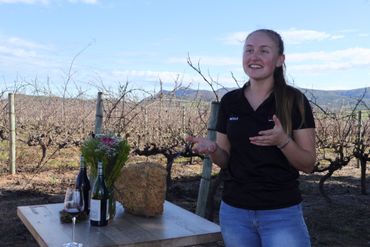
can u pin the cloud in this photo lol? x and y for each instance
(84, 1)
(350, 58)
(25, 1)
(236, 38)
(21, 48)
(355, 54)
(45, 2)
(208, 60)
(295, 36)
(26, 44)
(16, 52)
(147, 75)
(21, 55)
(363, 35)
(308, 62)
(291, 36)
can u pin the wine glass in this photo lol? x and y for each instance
(73, 205)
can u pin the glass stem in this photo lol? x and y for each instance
(73, 228)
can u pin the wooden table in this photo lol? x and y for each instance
(176, 227)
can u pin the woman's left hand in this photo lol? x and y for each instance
(272, 137)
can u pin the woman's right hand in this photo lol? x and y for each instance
(202, 145)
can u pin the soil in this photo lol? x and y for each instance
(343, 222)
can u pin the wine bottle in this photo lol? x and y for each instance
(99, 207)
(83, 183)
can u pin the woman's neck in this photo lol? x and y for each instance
(256, 93)
(261, 89)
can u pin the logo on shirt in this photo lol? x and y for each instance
(234, 118)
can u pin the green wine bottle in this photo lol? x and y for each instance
(99, 204)
(83, 183)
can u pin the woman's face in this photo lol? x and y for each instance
(261, 57)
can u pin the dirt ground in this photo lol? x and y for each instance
(344, 222)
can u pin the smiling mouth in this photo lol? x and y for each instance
(255, 66)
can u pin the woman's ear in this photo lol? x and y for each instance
(280, 60)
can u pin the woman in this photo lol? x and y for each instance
(265, 136)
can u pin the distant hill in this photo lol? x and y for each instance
(331, 99)
(334, 99)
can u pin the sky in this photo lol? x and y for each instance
(80, 43)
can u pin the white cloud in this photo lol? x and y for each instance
(25, 1)
(296, 36)
(350, 58)
(292, 36)
(16, 52)
(318, 68)
(236, 38)
(146, 75)
(84, 1)
(46, 1)
(19, 42)
(208, 60)
(19, 47)
(23, 56)
(297, 63)
(363, 35)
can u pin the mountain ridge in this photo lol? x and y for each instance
(334, 99)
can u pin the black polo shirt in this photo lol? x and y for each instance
(257, 177)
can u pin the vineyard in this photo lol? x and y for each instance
(50, 131)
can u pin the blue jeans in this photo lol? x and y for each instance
(283, 227)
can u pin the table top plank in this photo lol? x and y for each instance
(176, 227)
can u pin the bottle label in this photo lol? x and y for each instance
(95, 209)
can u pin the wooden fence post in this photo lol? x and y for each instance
(99, 113)
(359, 126)
(12, 155)
(146, 132)
(183, 119)
(205, 181)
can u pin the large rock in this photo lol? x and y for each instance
(142, 188)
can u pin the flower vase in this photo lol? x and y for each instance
(113, 152)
